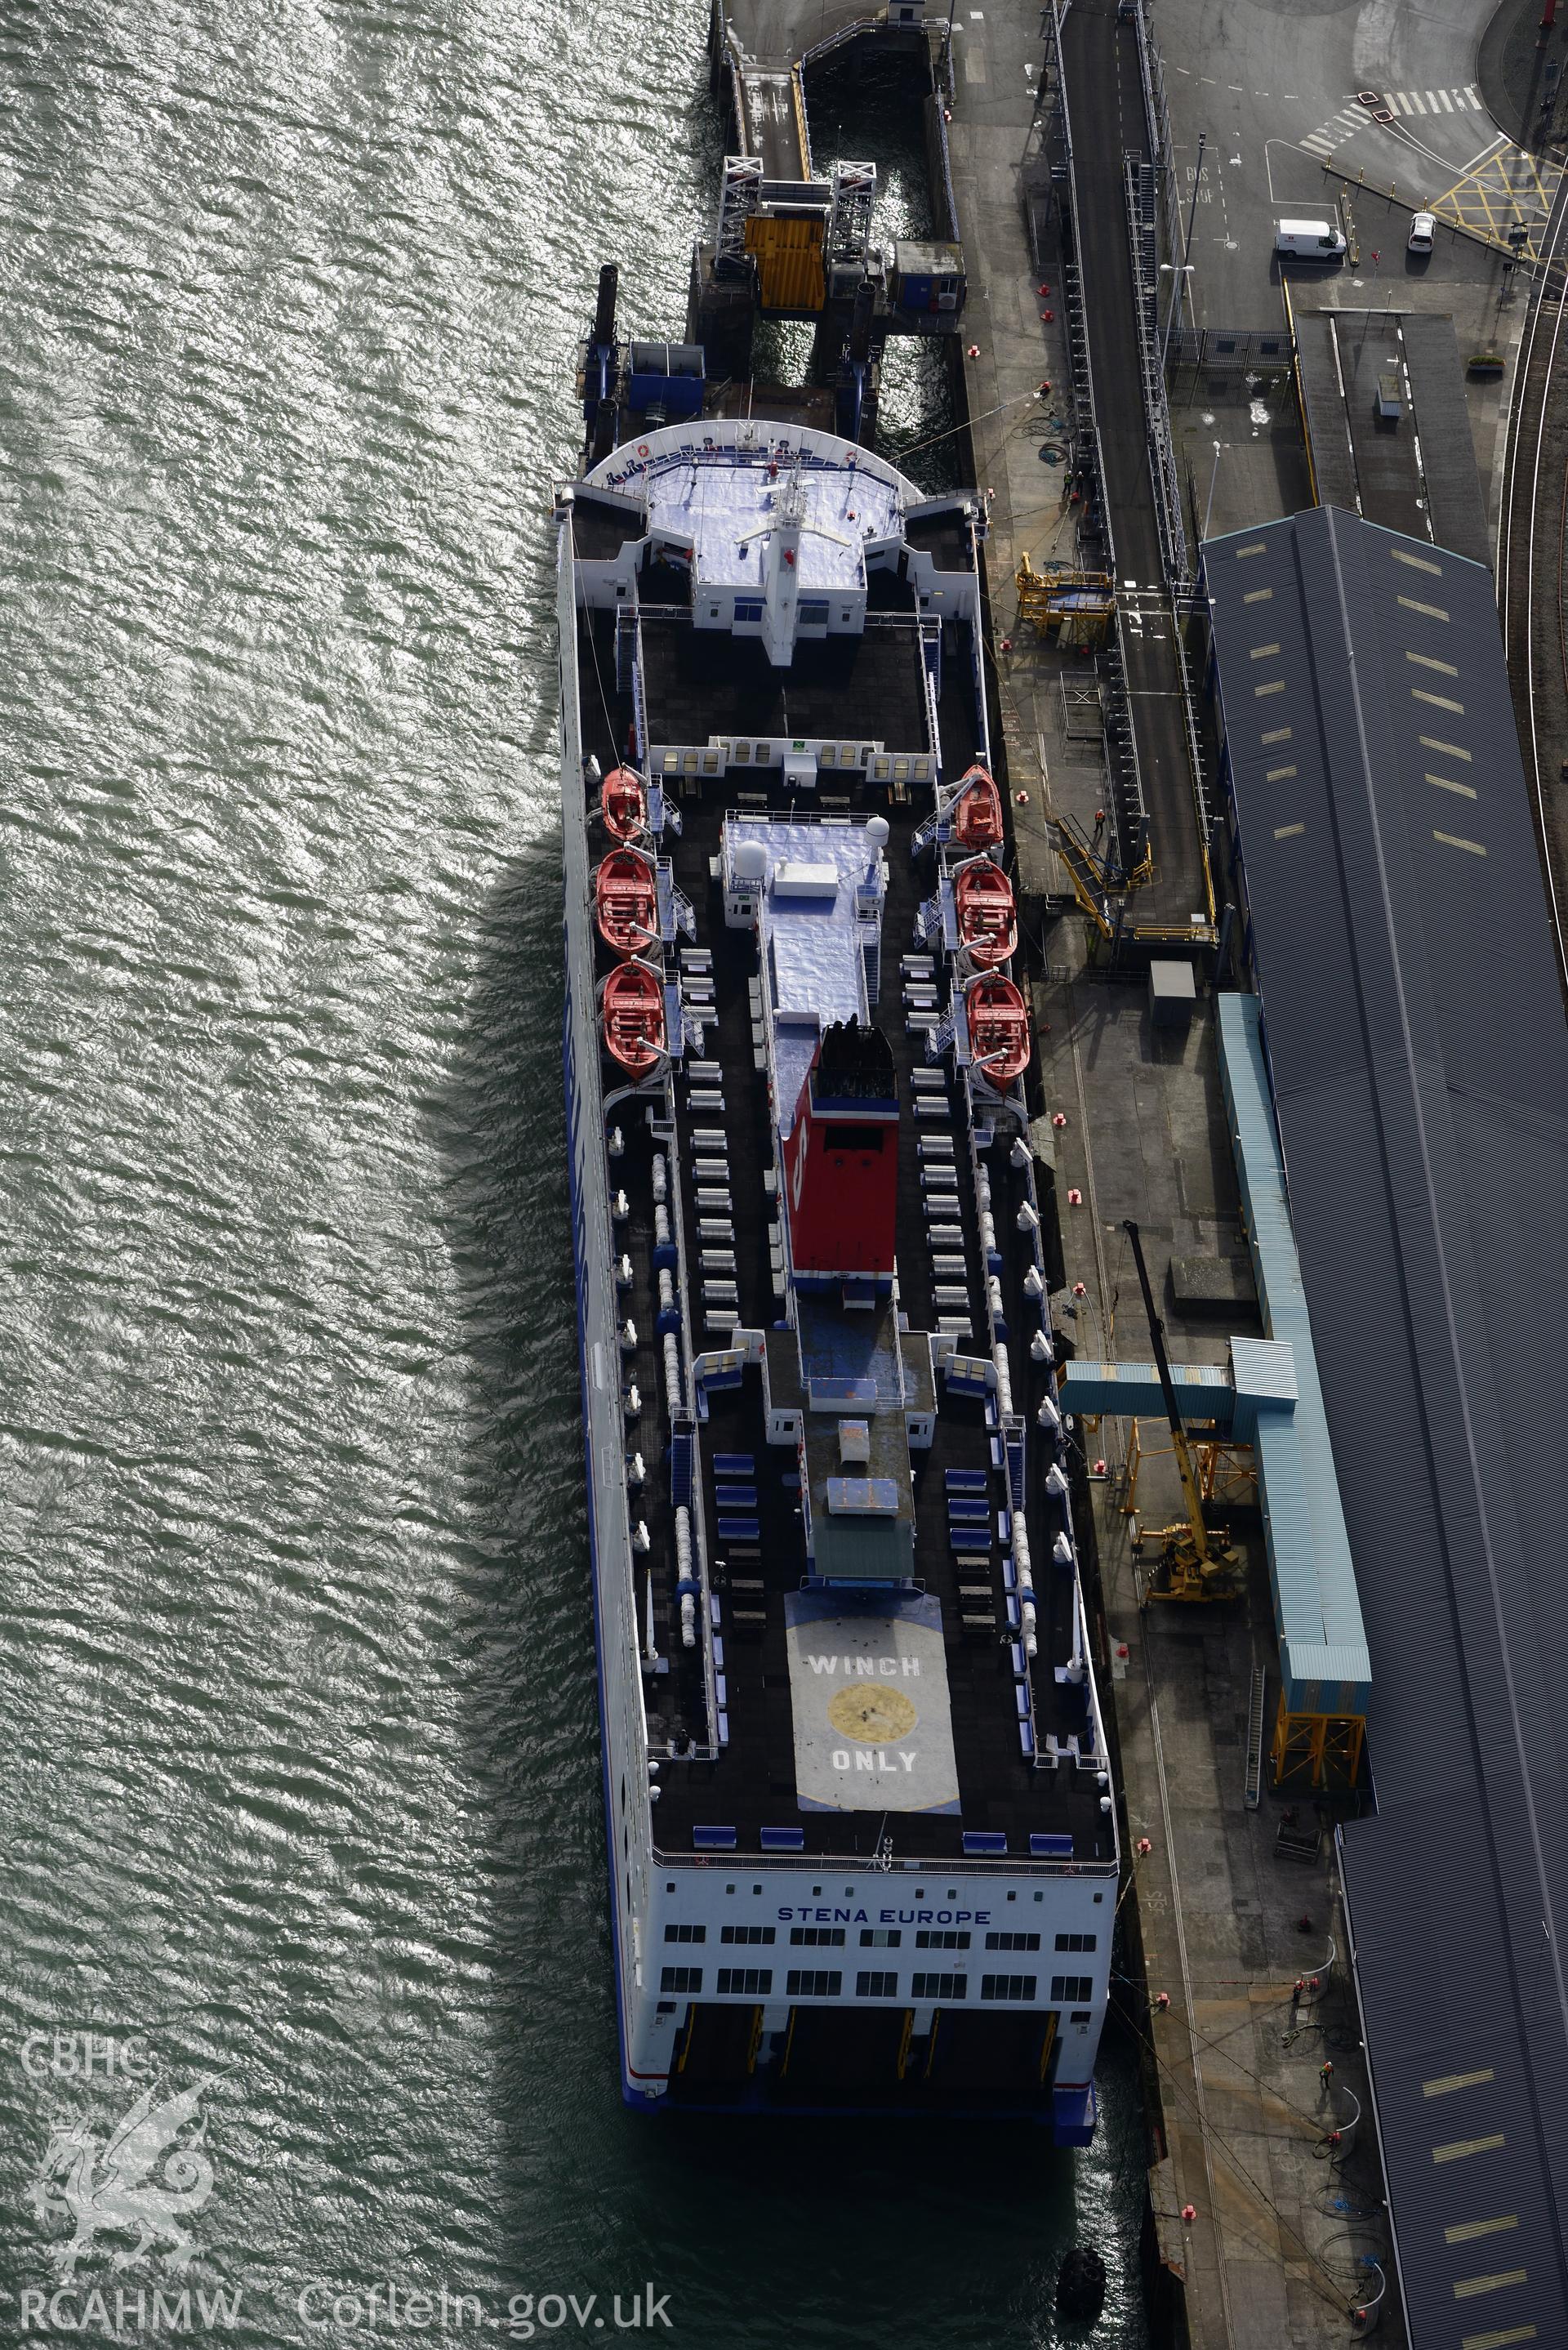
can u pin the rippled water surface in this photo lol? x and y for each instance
(299, 1776)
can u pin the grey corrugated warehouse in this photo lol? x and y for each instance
(1420, 1059)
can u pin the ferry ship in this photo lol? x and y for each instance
(863, 1841)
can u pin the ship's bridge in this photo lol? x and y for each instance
(789, 535)
(728, 513)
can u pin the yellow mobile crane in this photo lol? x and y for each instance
(1194, 1563)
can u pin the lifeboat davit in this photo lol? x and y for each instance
(987, 913)
(623, 804)
(976, 811)
(633, 1014)
(626, 901)
(998, 1030)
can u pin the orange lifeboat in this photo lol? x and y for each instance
(623, 804)
(633, 1013)
(987, 913)
(998, 1030)
(626, 901)
(976, 812)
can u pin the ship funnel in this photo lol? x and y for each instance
(841, 1160)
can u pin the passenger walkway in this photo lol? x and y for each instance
(1103, 111)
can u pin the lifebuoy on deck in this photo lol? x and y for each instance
(642, 448)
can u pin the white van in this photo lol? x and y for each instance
(1310, 240)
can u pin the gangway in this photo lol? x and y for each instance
(1094, 54)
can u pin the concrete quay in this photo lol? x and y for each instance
(1273, 2257)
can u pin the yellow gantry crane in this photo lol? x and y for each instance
(1079, 604)
(1193, 1564)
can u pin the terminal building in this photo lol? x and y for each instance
(1411, 1024)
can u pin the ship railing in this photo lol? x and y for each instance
(1000, 1412)
(955, 1865)
(615, 1596)
(944, 152)
(933, 725)
(788, 447)
(666, 1135)
(976, 670)
(841, 37)
(639, 681)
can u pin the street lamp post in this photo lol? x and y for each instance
(1181, 273)
(1213, 477)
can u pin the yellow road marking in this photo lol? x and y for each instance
(1509, 188)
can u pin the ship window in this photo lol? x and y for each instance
(712, 611)
(875, 1986)
(686, 1933)
(1008, 1986)
(854, 1138)
(940, 1987)
(817, 1938)
(681, 1978)
(812, 615)
(879, 1938)
(759, 1980)
(1067, 1987)
(746, 609)
(1076, 1942)
(813, 1983)
(1080, 2015)
(1016, 1942)
(932, 1939)
(745, 1933)
(666, 2007)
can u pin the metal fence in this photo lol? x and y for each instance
(1143, 234)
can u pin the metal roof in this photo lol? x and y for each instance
(1419, 1061)
(1324, 1659)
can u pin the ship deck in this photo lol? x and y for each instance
(753, 1782)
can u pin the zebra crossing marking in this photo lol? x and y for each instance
(1437, 101)
(1335, 131)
